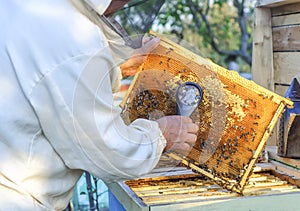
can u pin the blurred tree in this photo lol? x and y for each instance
(220, 28)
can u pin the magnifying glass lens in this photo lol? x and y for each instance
(188, 97)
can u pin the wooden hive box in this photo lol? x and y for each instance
(235, 117)
(181, 189)
(276, 47)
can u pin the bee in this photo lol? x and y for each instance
(244, 105)
(226, 157)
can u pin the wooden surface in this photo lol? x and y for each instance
(274, 3)
(273, 186)
(290, 19)
(286, 38)
(286, 67)
(262, 68)
(276, 46)
(287, 161)
(286, 9)
(263, 203)
(287, 169)
(185, 190)
(286, 47)
(262, 57)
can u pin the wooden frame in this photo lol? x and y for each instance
(182, 191)
(275, 47)
(274, 3)
(254, 100)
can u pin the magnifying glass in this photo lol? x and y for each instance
(188, 97)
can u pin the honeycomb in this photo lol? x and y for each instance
(235, 118)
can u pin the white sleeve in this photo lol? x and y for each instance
(74, 104)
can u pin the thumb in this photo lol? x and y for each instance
(149, 45)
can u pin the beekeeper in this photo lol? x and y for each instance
(59, 67)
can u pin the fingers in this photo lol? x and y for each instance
(182, 148)
(190, 139)
(149, 45)
(153, 43)
(191, 128)
(184, 119)
(146, 39)
(180, 133)
(130, 67)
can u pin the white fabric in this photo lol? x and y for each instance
(99, 5)
(56, 113)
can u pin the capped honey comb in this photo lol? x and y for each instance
(235, 118)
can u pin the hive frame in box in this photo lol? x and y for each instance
(229, 80)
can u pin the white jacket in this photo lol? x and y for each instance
(57, 117)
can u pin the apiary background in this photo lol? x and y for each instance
(276, 47)
(275, 63)
(235, 117)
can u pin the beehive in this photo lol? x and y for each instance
(235, 117)
(276, 47)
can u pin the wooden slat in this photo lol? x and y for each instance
(291, 171)
(286, 9)
(184, 198)
(262, 68)
(279, 202)
(261, 167)
(171, 191)
(287, 169)
(288, 178)
(274, 3)
(286, 38)
(281, 90)
(286, 66)
(200, 194)
(286, 20)
(127, 197)
(288, 161)
(262, 143)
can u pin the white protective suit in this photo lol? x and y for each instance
(58, 69)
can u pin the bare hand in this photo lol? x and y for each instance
(180, 133)
(130, 67)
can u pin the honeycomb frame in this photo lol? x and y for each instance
(236, 117)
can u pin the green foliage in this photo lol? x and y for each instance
(211, 25)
